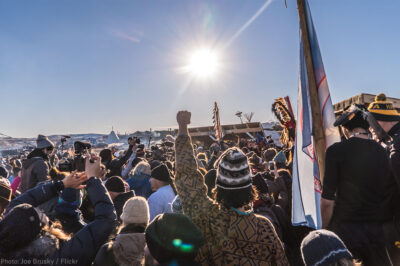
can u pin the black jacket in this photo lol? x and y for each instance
(35, 169)
(395, 152)
(115, 166)
(83, 246)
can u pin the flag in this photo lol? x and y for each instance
(217, 123)
(306, 181)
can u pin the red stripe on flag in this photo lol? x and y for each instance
(320, 82)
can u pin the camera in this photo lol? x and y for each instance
(79, 160)
(81, 147)
(137, 140)
(271, 165)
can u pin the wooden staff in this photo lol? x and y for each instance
(317, 124)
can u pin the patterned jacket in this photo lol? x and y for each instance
(231, 238)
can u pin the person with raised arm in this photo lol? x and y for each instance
(234, 234)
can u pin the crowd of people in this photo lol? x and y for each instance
(226, 204)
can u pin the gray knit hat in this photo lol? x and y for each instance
(43, 142)
(233, 171)
(323, 248)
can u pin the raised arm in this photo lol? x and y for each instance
(84, 245)
(189, 181)
(42, 193)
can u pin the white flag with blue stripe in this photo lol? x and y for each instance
(306, 184)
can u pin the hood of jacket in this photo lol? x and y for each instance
(128, 249)
(42, 247)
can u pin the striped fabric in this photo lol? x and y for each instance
(233, 170)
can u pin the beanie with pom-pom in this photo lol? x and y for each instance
(383, 110)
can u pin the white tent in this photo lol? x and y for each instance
(112, 138)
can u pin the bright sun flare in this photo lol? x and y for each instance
(203, 63)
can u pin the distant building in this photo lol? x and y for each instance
(112, 138)
(363, 98)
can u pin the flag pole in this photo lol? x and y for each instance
(317, 127)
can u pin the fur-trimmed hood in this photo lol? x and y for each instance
(41, 248)
(128, 249)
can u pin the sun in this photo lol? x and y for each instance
(203, 63)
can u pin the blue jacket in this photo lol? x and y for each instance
(141, 185)
(83, 246)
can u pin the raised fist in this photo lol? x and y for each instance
(183, 118)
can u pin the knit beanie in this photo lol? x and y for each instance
(5, 192)
(154, 164)
(135, 211)
(233, 171)
(323, 248)
(173, 236)
(161, 173)
(69, 201)
(115, 184)
(19, 227)
(43, 142)
(176, 205)
(3, 172)
(383, 110)
(280, 158)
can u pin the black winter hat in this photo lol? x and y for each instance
(19, 227)
(3, 172)
(154, 164)
(161, 173)
(115, 184)
(173, 236)
(323, 248)
(5, 193)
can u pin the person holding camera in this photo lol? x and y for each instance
(36, 167)
(26, 234)
(114, 165)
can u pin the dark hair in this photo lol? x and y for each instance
(357, 122)
(269, 154)
(106, 155)
(235, 198)
(55, 174)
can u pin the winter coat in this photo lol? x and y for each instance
(141, 185)
(35, 169)
(160, 201)
(231, 238)
(120, 200)
(395, 152)
(126, 249)
(81, 249)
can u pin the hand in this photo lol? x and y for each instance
(93, 169)
(75, 180)
(183, 118)
(134, 147)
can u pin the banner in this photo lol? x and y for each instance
(306, 181)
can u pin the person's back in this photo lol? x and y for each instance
(234, 234)
(358, 171)
(357, 189)
(34, 170)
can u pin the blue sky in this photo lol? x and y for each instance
(69, 66)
